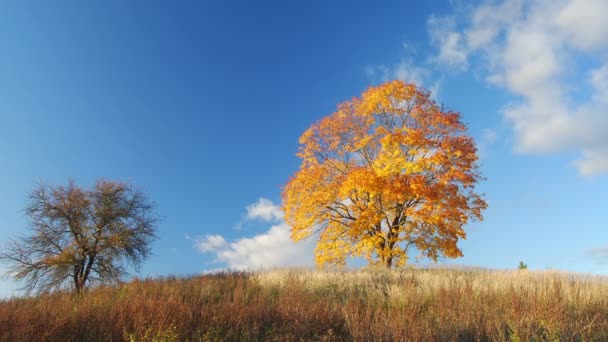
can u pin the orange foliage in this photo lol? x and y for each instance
(387, 171)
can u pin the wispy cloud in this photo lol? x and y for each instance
(408, 70)
(449, 42)
(487, 139)
(489, 136)
(600, 255)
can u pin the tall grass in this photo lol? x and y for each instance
(284, 305)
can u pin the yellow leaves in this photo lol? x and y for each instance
(298, 234)
(386, 97)
(363, 142)
(306, 136)
(389, 157)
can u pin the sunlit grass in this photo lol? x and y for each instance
(299, 304)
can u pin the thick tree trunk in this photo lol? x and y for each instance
(388, 262)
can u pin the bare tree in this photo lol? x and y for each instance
(81, 236)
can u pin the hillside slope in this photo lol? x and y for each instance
(282, 305)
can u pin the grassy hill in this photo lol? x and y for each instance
(284, 305)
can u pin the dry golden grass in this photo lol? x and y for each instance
(284, 305)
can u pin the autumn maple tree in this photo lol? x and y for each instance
(387, 171)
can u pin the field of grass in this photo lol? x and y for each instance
(287, 305)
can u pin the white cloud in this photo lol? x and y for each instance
(408, 71)
(531, 48)
(272, 248)
(405, 70)
(449, 42)
(265, 210)
(211, 243)
(594, 162)
(486, 21)
(584, 23)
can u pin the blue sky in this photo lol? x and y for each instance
(201, 104)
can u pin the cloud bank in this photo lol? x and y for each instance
(535, 50)
(549, 54)
(272, 248)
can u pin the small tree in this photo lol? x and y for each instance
(522, 266)
(81, 236)
(387, 171)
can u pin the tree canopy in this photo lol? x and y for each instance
(387, 171)
(79, 236)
